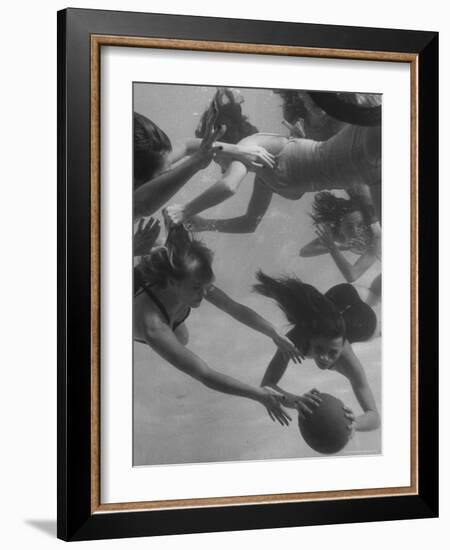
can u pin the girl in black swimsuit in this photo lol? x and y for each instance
(324, 328)
(170, 281)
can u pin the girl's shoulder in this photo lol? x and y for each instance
(152, 315)
(344, 365)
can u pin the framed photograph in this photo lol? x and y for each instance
(247, 242)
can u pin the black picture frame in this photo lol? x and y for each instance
(76, 518)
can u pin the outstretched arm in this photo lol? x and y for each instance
(151, 196)
(275, 370)
(222, 190)
(144, 238)
(257, 207)
(250, 318)
(252, 155)
(350, 366)
(317, 248)
(162, 339)
(351, 272)
(304, 404)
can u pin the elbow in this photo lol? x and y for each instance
(350, 277)
(376, 420)
(372, 420)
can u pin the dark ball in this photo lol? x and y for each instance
(326, 429)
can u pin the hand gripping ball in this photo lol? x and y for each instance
(326, 429)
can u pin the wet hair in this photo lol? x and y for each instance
(304, 306)
(331, 210)
(338, 313)
(294, 108)
(293, 105)
(150, 143)
(360, 319)
(229, 113)
(181, 257)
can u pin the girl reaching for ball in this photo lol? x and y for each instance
(170, 281)
(324, 328)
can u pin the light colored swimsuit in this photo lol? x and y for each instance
(337, 163)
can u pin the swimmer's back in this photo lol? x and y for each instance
(273, 143)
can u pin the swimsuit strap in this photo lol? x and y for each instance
(139, 284)
(157, 301)
(178, 323)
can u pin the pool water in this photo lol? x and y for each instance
(177, 419)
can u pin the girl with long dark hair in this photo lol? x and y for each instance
(324, 328)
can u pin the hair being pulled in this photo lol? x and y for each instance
(181, 257)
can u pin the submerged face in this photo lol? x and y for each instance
(191, 290)
(326, 351)
(353, 225)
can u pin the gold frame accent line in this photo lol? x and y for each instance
(415, 274)
(122, 41)
(260, 49)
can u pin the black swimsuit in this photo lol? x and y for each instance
(139, 288)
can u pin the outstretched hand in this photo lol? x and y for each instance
(305, 404)
(272, 401)
(287, 348)
(145, 237)
(255, 156)
(349, 414)
(208, 148)
(175, 214)
(325, 236)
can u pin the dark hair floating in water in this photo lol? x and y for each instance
(303, 305)
(360, 319)
(229, 113)
(149, 144)
(341, 107)
(340, 312)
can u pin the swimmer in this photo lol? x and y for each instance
(324, 328)
(304, 118)
(170, 281)
(349, 159)
(346, 224)
(160, 171)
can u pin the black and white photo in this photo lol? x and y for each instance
(257, 273)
